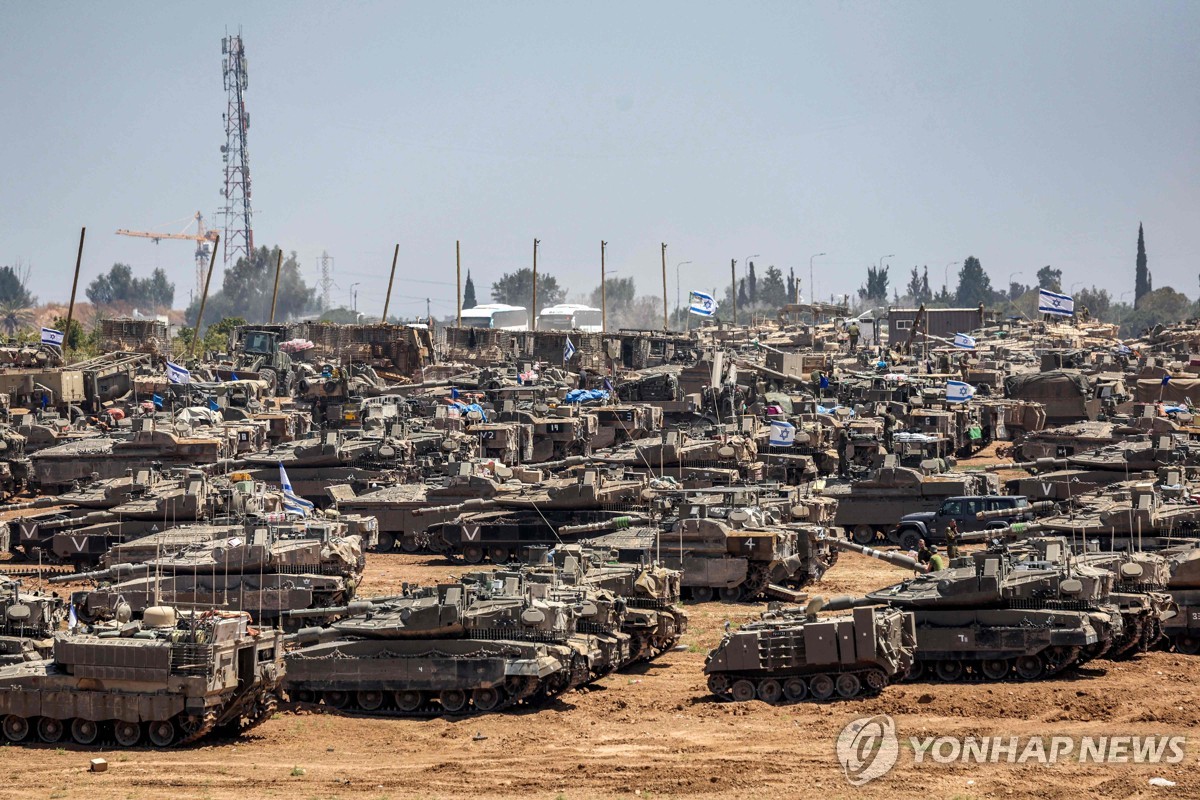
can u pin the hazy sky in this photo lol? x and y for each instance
(1023, 133)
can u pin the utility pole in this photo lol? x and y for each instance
(733, 286)
(603, 291)
(533, 315)
(458, 272)
(664, 271)
(204, 297)
(275, 292)
(387, 301)
(74, 286)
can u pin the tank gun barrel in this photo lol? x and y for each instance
(352, 608)
(616, 524)
(895, 559)
(315, 635)
(1001, 513)
(1040, 464)
(467, 506)
(115, 573)
(846, 602)
(1017, 530)
(41, 502)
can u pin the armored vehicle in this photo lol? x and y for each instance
(792, 654)
(27, 621)
(988, 617)
(167, 680)
(454, 648)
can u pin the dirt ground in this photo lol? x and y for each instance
(655, 733)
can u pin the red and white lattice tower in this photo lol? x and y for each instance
(239, 233)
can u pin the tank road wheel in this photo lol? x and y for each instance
(337, 699)
(1029, 667)
(1188, 645)
(821, 686)
(409, 544)
(949, 670)
(486, 699)
(702, 594)
(848, 685)
(864, 534)
(718, 684)
(16, 729)
(731, 594)
(499, 555)
(769, 691)
(473, 554)
(876, 680)
(369, 700)
(161, 733)
(795, 689)
(85, 731)
(50, 730)
(408, 701)
(743, 691)
(453, 700)
(127, 734)
(387, 542)
(304, 696)
(994, 669)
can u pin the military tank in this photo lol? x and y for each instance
(265, 570)
(988, 617)
(27, 621)
(791, 654)
(455, 648)
(169, 680)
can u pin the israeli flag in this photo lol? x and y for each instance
(701, 303)
(51, 336)
(1053, 303)
(568, 351)
(291, 503)
(964, 341)
(959, 392)
(783, 434)
(177, 374)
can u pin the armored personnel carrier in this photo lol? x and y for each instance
(27, 621)
(792, 654)
(454, 648)
(168, 681)
(989, 618)
(264, 571)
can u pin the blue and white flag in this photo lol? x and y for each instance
(1054, 303)
(177, 374)
(959, 392)
(568, 350)
(701, 303)
(51, 336)
(291, 503)
(964, 341)
(1166, 379)
(783, 434)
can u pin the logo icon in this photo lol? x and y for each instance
(867, 748)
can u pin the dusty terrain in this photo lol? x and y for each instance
(655, 732)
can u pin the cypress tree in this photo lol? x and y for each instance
(1141, 281)
(469, 292)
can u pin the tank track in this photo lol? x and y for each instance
(848, 684)
(1047, 663)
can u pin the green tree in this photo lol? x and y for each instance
(119, 286)
(247, 287)
(1142, 280)
(918, 286)
(974, 285)
(13, 290)
(772, 291)
(1049, 279)
(876, 288)
(619, 294)
(752, 286)
(791, 285)
(469, 300)
(516, 289)
(1158, 307)
(1098, 302)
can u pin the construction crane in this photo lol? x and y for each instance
(203, 237)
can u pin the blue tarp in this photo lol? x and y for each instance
(465, 408)
(585, 396)
(833, 409)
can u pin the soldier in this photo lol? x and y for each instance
(923, 552)
(964, 366)
(937, 562)
(952, 539)
(853, 331)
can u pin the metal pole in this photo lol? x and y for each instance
(666, 325)
(458, 268)
(275, 293)
(387, 301)
(812, 284)
(74, 286)
(733, 287)
(204, 296)
(533, 316)
(603, 291)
